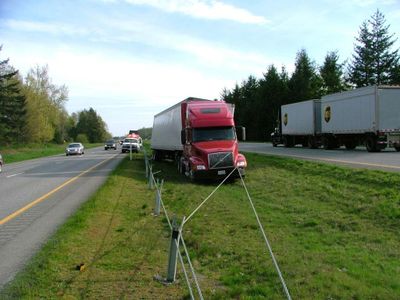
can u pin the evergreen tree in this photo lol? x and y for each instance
(305, 83)
(247, 106)
(273, 92)
(332, 74)
(12, 105)
(373, 60)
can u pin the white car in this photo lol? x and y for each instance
(75, 149)
(131, 143)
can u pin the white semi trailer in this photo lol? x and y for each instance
(367, 116)
(301, 123)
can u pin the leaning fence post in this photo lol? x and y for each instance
(173, 252)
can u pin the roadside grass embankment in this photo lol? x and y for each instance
(24, 152)
(334, 232)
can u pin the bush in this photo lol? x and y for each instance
(82, 138)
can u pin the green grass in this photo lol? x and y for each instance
(25, 152)
(334, 232)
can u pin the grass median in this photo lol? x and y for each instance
(334, 232)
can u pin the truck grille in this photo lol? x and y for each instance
(220, 160)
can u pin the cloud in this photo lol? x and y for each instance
(113, 32)
(51, 28)
(126, 91)
(204, 9)
(364, 3)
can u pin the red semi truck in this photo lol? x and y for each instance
(200, 136)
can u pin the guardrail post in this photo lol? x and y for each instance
(173, 252)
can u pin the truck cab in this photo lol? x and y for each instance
(210, 145)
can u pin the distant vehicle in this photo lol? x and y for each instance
(1, 163)
(131, 143)
(110, 144)
(367, 116)
(134, 132)
(75, 149)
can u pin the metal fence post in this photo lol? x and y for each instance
(173, 252)
(150, 178)
(146, 161)
(158, 199)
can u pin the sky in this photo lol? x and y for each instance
(131, 59)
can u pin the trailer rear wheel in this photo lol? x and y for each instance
(157, 155)
(371, 144)
(327, 143)
(312, 144)
(350, 145)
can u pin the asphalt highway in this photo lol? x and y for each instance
(386, 160)
(37, 196)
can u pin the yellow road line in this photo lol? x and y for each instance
(42, 198)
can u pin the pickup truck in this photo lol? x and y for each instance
(131, 143)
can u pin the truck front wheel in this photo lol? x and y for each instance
(287, 141)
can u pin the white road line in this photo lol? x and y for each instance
(13, 175)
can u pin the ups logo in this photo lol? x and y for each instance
(285, 119)
(327, 114)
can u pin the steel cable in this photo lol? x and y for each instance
(208, 197)
(184, 271)
(267, 242)
(191, 267)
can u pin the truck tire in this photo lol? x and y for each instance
(371, 144)
(330, 143)
(181, 167)
(350, 145)
(288, 141)
(397, 148)
(191, 173)
(157, 155)
(312, 143)
(326, 144)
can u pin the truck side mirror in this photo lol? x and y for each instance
(241, 133)
(183, 137)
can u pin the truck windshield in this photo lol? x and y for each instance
(213, 134)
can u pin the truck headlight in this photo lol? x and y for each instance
(200, 167)
(241, 164)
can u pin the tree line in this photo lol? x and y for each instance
(257, 101)
(32, 110)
